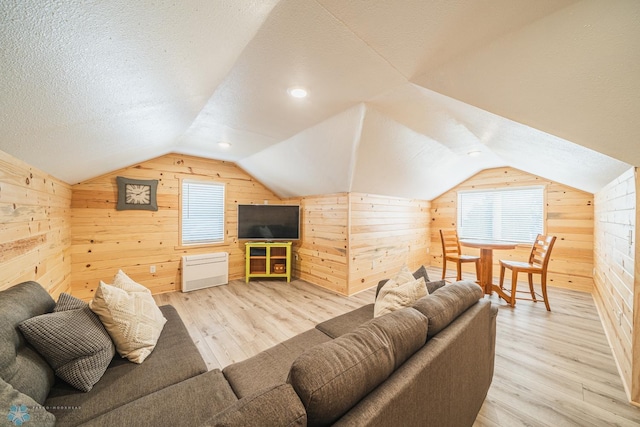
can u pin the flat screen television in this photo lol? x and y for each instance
(268, 222)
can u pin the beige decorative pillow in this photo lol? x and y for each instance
(393, 296)
(403, 276)
(130, 315)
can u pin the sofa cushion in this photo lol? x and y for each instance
(175, 358)
(270, 367)
(130, 315)
(395, 296)
(420, 272)
(278, 405)
(74, 342)
(443, 306)
(347, 322)
(190, 402)
(331, 378)
(20, 365)
(17, 407)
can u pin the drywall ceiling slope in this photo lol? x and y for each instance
(318, 160)
(89, 87)
(464, 128)
(300, 44)
(417, 35)
(573, 74)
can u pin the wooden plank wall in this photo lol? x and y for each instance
(350, 241)
(614, 260)
(35, 227)
(322, 254)
(569, 216)
(385, 233)
(105, 240)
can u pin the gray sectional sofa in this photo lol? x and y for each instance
(430, 364)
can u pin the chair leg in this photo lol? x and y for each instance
(478, 275)
(514, 286)
(533, 292)
(501, 276)
(459, 275)
(444, 267)
(543, 280)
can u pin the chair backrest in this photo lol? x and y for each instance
(450, 242)
(541, 250)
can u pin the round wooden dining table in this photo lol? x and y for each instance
(486, 260)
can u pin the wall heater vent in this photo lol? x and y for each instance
(203, 271)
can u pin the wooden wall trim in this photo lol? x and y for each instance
(635, 349)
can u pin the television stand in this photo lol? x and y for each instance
(268, 259)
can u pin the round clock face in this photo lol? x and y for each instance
(138, 194)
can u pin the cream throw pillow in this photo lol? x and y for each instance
(394, 297)
(130, 315)
(404, 275)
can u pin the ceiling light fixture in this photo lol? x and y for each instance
(297, 92)
(474, 153)
(224, 144)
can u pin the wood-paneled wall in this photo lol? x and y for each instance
(323, 251)
(105, 240)
(35, 227)
(614, 260)
(569, 216)
(385, 233)
(350, 241)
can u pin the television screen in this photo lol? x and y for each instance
(269, 222)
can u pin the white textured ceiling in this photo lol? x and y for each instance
(398, 93)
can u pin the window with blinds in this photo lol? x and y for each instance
(202, 212)
(513, 215)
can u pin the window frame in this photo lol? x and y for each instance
(223, 241)
(542, 189)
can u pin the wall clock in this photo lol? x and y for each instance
(137, 194)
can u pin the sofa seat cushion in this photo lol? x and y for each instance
(275, 406)
(270, 367)
(20, 365)
(443, 306)
(175, 359)
(190, 402)
(347, 322)
(332, 377)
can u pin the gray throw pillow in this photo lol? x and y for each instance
(73, 341)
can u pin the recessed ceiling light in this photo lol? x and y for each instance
(297, 92)
(224, 144)
(474, 153)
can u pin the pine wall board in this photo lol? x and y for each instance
(385, 233)
(35, 227)
(569, 216)
(105, 240)
(615, 283)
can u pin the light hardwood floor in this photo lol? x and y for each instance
(551, 369)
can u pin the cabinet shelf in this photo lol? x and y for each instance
(268, 260)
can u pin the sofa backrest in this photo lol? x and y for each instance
(332, 377)
(449, 302)
(20, 365)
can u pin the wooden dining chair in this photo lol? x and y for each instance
(451, 252)
(538, 262)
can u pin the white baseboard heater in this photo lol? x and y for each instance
(203, 271)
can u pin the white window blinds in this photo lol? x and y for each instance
(202, 212)
(514, 215)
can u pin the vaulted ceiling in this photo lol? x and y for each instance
(399, 92)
